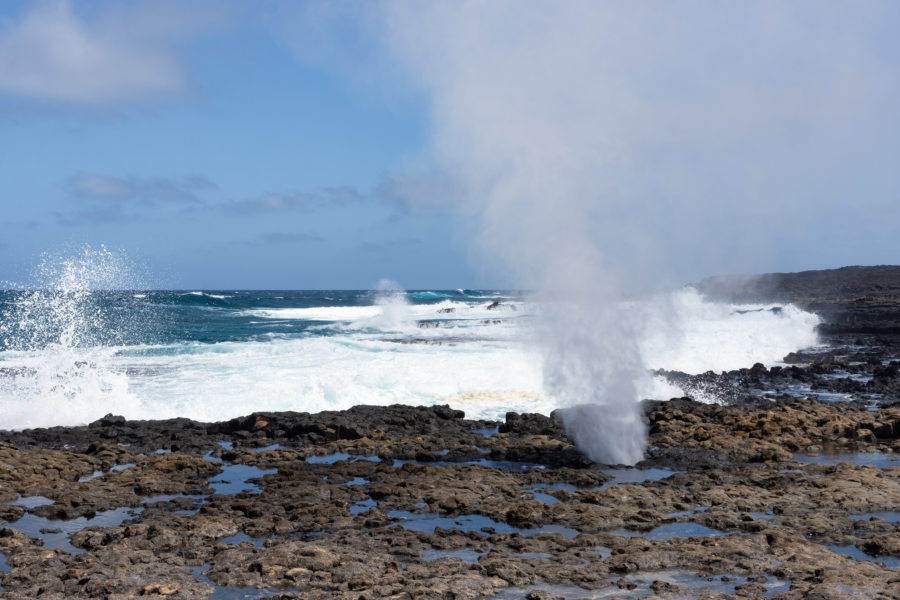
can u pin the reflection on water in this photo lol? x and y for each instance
(891, 562)
(428, 522)
(874, 459)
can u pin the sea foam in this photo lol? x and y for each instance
(64, 360)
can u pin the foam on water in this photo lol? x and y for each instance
(70, 352)
(60, 340)
(395, 313)
(316, 374)
(318, 313)
(685, 332)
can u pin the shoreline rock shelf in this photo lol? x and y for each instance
(397, 504)
(790, 489)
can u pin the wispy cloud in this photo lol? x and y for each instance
(109, 213)
(272, 202)
(108, 199)
(283, 238)
(283, 202)
(114, 53)
(30, 224)
(150, 191)
(387, 245)
(437, 188)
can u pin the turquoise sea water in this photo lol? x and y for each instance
(70, 356)
(77, 347)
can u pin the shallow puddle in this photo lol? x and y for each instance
(508, 465)
(428, 522)
(761, 515)
(717, 584)
(363, 506)
(891, 562)
(537, 555)
(542, 497)
(243, 537)
(330, 459)
(266, 448)
(233, 593)
(32, 501)
(93, 475)
(684, 513)
(888, 516)
(357, 481)
(113, 469)
(670, 531)
(170, 497)
(56, 532)
(805, 390)
(466, 555)
(487, 431)
(234, 479)
(684, 585)
(555, 486)
(859, 377)
(874, 459)
(631, 475)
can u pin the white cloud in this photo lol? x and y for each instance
(117, 52)
(278, 238)
(282, 202)
(92, 185)
(150, 192)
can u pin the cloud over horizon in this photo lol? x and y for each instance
(150, 192)
(295, 201)
(273, 238)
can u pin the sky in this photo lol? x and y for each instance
(322, 145)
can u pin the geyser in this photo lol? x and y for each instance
(649, 144)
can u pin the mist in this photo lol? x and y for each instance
(600, 148)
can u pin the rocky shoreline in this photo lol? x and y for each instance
(788, 489)
(419, 502)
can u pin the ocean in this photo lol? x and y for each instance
(69, 355)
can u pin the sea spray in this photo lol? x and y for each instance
(61, 330)
(684, 331)
(63, 305)
(582, 146)
(593, 369)
(390, 297)
(195, 356)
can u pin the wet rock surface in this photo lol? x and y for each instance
(416, 503)
(789, 488)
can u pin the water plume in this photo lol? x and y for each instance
(63, 307)
(390, 297)
(60, 334)
(603, 147)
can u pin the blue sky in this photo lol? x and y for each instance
(259, 171)
(329, 145)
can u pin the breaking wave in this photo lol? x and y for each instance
(85, 340)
